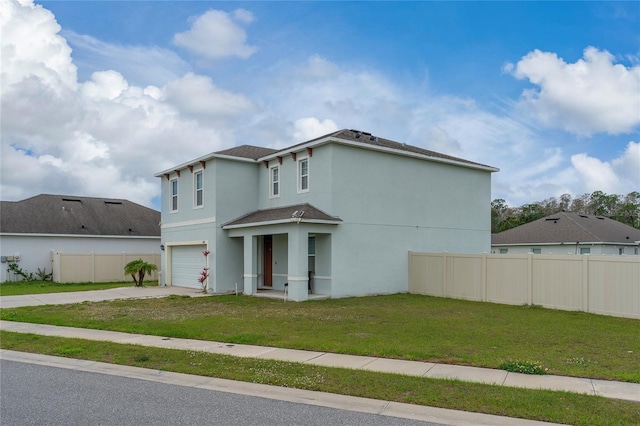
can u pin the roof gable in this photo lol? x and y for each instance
(296, 213)
(69, 215)
(246, 151)
(569, 227)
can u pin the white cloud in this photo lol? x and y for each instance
(628, 164)
(104, 137)
(216, 34)
(31, 47)
(105, 84)
(310, 128)
(196, 95)
(592, 95)
(108, 135)
(596, 173)
(620, 175)
(138, 64)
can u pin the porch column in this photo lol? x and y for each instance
(250, 264)
(298, 274)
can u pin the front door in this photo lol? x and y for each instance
(268, 261)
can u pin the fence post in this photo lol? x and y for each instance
(445, 278)
(55, 266)
(93, 267)
(585, 283)
(530, 279)
(484, 277)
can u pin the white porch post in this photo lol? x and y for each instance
(298, 274)
(250, 264)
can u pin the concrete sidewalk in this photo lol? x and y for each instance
(130, 292)
(608, 389)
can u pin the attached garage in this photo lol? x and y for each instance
(187, 262)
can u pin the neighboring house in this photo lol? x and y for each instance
(336, 215)
(569, 233)
(31, 229)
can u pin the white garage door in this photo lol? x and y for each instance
(187, 263)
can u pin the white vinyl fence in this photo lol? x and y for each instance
(98, 267)
(608, 285)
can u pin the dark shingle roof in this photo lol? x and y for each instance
(299, 212)
(568, 227)
(365, 138)
(69, 215)
(356, 137)
(247, 151)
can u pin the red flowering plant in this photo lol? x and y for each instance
(204, 274)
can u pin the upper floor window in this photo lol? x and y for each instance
(174, 195)
(303, 175)
(504, 250)
(585, 250)
(536, 250)
(274, 190)
(198, 196)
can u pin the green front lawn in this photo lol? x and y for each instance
(396, 326)
(542, 405)
(19, 288)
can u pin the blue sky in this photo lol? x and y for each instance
(98, 96)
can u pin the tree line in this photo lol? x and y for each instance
(623, 208)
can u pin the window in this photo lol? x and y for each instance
(504, 251)
(585, 250)
(536, 250)
(312, 245)
(275, 182)
(303, 175)
(621, 250)
(174, 195)
(198, 196)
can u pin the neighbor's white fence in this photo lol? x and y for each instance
(98, 267)
(608, 285)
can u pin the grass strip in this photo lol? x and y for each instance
(400, 326)
(20, 288)
(542, 405)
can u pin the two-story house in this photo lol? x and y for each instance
(336, 215)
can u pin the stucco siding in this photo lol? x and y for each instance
(320, 181)
(443, 206)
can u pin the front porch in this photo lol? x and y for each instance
(287, 252)
(282, 295)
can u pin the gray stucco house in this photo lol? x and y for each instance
(335, 216)
(569, 233)
(31, 229)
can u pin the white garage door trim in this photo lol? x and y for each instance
(187, 262)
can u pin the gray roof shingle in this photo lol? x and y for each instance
(569, 227)
(299, 212)
(375, 141)
(251, 152)
(70, 215)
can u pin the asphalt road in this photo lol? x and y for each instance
(33, 394)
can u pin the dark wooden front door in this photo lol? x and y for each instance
(268, 261)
